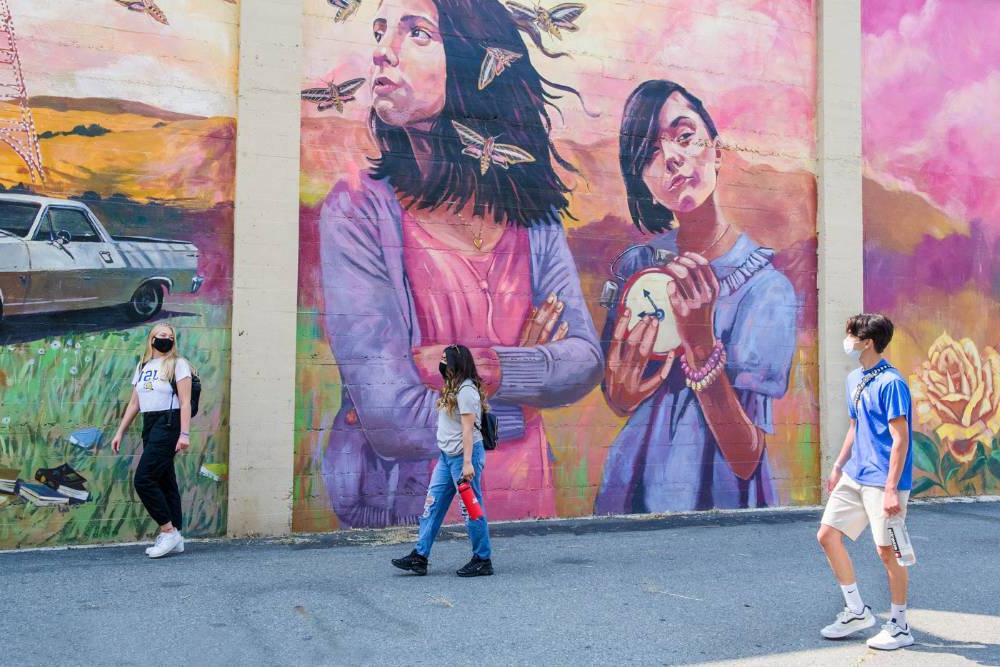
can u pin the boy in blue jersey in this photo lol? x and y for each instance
(871, 480)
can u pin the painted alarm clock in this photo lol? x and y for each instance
(645, 295)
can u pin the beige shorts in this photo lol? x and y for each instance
(852, 506)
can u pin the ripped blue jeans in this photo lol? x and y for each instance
(440, 493)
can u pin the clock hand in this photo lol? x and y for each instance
(658, 312)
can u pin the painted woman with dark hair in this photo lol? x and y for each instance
(701, 336)
(455, 234)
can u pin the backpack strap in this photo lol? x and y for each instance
(173, 380)
(173, 384)
(866, 380)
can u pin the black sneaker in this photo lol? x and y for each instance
(414, 563)
(477, 567)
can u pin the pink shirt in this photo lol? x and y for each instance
(482, 299)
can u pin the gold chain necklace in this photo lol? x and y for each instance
(477, 237)
(477, 234)
(717, 239)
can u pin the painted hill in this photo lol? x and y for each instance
(913, 217)
(128, 148)
(106, 106)
(777, 208)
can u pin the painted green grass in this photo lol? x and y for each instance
(317, 401)
(51, 387)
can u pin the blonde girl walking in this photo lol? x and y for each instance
(161, 391)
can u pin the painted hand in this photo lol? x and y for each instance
(426, 359)
(540, 327)
(693, 294)
(629, 355)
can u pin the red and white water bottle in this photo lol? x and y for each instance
(472, 506)
(900, 541)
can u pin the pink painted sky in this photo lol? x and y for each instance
(98, 48)
(751, 61)
(931, 94)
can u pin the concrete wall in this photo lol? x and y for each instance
(841, 270)
(265, 268)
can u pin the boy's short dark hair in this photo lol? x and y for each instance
(871, 326)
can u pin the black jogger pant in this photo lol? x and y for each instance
(155, 480)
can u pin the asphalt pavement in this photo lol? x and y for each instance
(718, 588)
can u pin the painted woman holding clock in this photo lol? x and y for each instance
(451, 237)
(700, 339)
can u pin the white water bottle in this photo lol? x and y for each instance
(900, 541)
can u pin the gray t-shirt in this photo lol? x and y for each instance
(449, 431)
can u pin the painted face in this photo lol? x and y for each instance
(684, 170)
(409, 71)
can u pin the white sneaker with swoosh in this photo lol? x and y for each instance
(848, 623)
(891, 637)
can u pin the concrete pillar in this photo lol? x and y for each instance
(840, 213)
(265, 275)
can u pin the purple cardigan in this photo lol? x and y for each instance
(375, 466)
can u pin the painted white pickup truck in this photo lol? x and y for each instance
(55, 255)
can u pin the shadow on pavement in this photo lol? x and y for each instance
(975, 652)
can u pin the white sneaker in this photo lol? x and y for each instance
(891, 637)
(172, 542)
(848, 623)
(179, 549)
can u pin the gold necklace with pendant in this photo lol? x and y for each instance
(477, 237)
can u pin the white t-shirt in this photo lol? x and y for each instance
(449, 427)
(155, 394)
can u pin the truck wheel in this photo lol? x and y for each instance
(145, 303)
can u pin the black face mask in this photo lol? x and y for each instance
(163, 345)
(443, 367)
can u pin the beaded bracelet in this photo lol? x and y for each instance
(704, 377)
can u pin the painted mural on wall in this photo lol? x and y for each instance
(932, 226)
(117, 165)
(577, 201)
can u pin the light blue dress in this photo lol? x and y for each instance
(666, 458)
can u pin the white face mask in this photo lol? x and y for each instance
(849, 348)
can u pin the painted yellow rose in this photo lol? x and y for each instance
(957, 393)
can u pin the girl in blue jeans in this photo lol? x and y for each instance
(462, 460)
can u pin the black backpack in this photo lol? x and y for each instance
(488, 428)
(195, 391)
